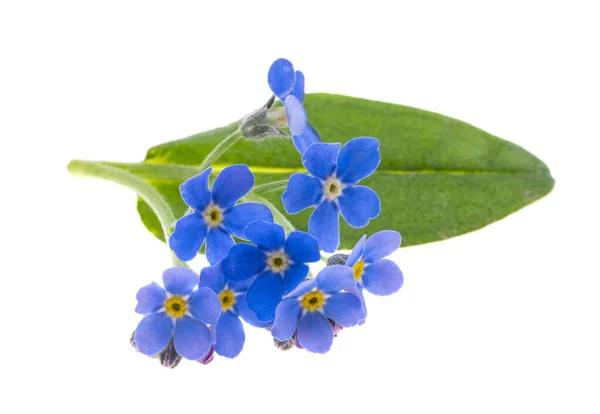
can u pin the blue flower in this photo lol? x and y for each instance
(229, 336)
(288, 86)
(332, 188)
(215, 216)
(371, 271)
(276, 265)
(306, 310)
(180, 312)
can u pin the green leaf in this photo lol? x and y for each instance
(438, 178)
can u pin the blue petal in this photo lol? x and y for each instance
(153, 333)
(239, 216)
(230, 336)
(264, 295)
(320, 159)
(231, 184)
(179, 280)
(191, 338)
(345, 309)
(243, 261)
(324, 225)
(281, 78)
(358, 205)
(212, 277)
(286, 320)
(357, 291)
(294, 275)
(150, 298)
(267, 236)
(334, 278)
(296, 115)
(306, 139)
(205, 305)
(195, 192)
(302, 288)
(381, 244)
(301, 247)
(302, 192)
(383, 277)
(356, 252)
(218, 244)
(298, 91)
(358, 159)
(246, 314)
(315, 333)
(188, 236)
(240, 286)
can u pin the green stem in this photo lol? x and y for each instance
(148, 193)
(277, 215)
(180, 173)
(270, 187)
(219, 149)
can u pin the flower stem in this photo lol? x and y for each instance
(277, 215)
(270, 187)
(148, 193)
(220, 149)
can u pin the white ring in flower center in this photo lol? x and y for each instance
(278, 261)
(213, 215)
(332, 188)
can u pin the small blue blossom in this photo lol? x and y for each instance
(228, 334)
(288, 86)
(275, 265)
(306, 310)
(371, 271)
(332, 188)
(214, 215)
(179, 312)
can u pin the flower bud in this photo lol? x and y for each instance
(264, 123)
(337, 259)
(283, 345)
(169, 357)
(207, 359)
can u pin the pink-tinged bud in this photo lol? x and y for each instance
(295, 341)
(207, 359)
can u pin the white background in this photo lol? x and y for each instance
(502, 320)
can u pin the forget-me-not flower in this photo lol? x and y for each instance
(276, 264)
(371, 271)
(214, 215)
(307, 309)
(332, 187)
(288, 85)
(179, 312)
(229, 336)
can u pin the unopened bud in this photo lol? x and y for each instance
(265, 122)
(169, 357)
(207, 359)
(283, 345)
(337, 259)
(259, 132)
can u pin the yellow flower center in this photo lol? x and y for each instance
(278, 262)
(213, 215)
(176, 306)
(313, 301)
(332, 188)
(359, 269)
(227, 299)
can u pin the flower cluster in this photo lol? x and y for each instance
(259, 271)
